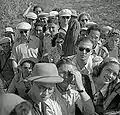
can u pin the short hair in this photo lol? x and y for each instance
(37, 6)
(53, 20)
(83, 38)
(84, 14)
(114, 32)
(28, 61)
(94, 27)
(64, 60)
(22, 109)
(98, 69)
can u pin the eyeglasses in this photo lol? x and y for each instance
(25, 31)
(65, 17)
(86, 49)
(43, 89)
(84, 20)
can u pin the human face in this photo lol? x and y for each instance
(84, 19)
(95, 35)
(6, 46)
(43, 91)
(38, 11)
(53, 28)
(65, 71)
(30, 21)
(42, 20)
(38, 30)
(109, 73)
(26, 69)
(84, 50)
(24, 33)
(64, 20)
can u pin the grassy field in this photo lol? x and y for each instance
(105, 12)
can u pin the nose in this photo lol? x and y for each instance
(46, 92)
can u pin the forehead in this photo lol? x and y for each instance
(84, 17)
(65, 67)
(26, 64)
(38, 9)
(38, 28)
(95, 32)
(86, 44)
(47, 85)
(113, 67)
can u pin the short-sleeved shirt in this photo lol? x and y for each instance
(28, 49)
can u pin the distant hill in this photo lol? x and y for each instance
(102, 11)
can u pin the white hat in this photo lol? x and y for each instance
(5, 40)
(23, 26)
(53, 13)
(9, 29)
(31, 15)
(65, 12)
(43, 14)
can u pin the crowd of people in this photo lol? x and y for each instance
(59, 63)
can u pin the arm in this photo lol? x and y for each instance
(28, 9)
(88, 107)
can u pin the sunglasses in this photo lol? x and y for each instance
(84, 20)
(25, 31)
(86, 49)
(65, 17)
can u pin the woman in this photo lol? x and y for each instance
(105, 77)
(83, 19)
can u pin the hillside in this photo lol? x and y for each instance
(102, 11)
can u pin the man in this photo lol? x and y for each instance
(99, 49)
(6, 70)
(44, 77)
(64, 17)
(19, 84)
(25, 47)
(85, 61)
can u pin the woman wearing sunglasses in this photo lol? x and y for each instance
(83, 19)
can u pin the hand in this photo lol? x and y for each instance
(30, 4)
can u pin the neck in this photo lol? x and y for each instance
(64, 26)
(81, 63)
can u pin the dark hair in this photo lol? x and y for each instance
(98, 69)
(114, 32)
(83, 38)
(57, 9)
(84, 14)
(53, 20)
(28, 61)
(37, 7)
(57, 36)
(65, 60)
(94, 27)
(22, 109)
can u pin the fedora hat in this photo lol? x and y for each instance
(45, 73)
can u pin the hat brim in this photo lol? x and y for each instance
(65, 15)
(46, 79)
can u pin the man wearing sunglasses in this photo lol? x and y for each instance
(64, 18)
(26, 45)
(85, 61)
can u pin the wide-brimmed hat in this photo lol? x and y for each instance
(5, 40)
(45, 73)
(23, 26)
(74, 13)
(31, 15)
(65, 12)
